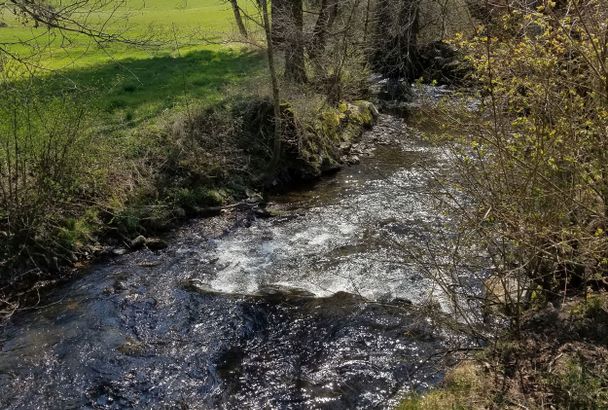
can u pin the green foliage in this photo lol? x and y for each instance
(594, 307)
(579, 385)
(198, 197)
(128, 84)
(529, 154)
(50, 165)
(532, 156)
(75, 233)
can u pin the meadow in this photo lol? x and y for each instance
(173, 65)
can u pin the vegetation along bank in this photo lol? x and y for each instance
(119, 120)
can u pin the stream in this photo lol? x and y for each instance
(308, 309)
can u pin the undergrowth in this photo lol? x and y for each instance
(84, 188)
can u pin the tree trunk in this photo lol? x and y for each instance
(327, 16)
(291, 15)
(276, 96)
(396, 38)
(367, 15)
(237, 17)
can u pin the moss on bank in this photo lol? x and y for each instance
(216, 155)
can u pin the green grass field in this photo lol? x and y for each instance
(188, 20)
(127, 83)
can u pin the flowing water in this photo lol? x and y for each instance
(307, 309)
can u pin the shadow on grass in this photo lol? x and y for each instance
(137, 88)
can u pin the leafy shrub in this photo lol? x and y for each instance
(50, 166)
(532, 158)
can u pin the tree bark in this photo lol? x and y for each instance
(290, 14)
(237, 17)
(276, 96)
(327, 15)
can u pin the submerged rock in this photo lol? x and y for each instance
(198, 286)
(153, 244)
(156, 244)
(132, 347)
(138, 242)
(285, 291)
(354, 160)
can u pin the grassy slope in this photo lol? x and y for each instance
(127, 84)
(136, 18)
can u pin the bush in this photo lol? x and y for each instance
(532, 158)
(50, 166)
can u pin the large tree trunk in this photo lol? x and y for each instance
(288, 27)
(276, 96)
(237, 17)
(327, 16)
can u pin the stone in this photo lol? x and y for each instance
(156, 244)
(138, 242)
(402, 302)
(198, 286)
(253, 196)
(119, 286)
(262, 213)
(354, 160)
(149, 264)
(179, 213)
(284, 291)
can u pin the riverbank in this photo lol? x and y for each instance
(536, 348)
(558, 356)
(187, 165)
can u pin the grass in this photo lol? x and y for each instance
(136, 19)
(128, 84)
(132, 90)
(463, 389)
